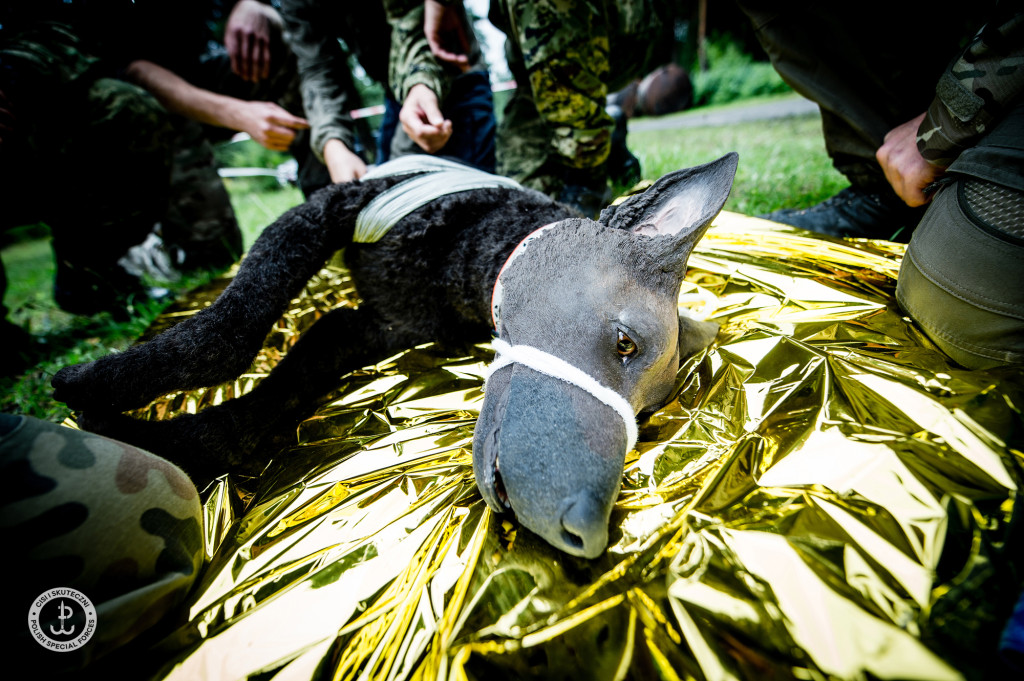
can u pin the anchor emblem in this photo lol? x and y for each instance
(64, 612)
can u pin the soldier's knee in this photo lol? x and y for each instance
(960, 278)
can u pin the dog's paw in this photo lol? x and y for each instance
(174, 440)
(79, 387)
(111, 384)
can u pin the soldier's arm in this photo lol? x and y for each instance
(976, 89)
(266, 122)
(412, 61)
(970, 97)
(419, 78)
(328, 91)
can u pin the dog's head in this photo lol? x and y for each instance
(589, 335)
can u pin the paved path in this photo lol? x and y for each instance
(795, 106)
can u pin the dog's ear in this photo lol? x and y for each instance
(681, 206)
(694, 335)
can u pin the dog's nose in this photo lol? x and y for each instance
(584, 527)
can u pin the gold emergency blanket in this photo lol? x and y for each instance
(824, 497)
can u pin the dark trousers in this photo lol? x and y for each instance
(870, 66)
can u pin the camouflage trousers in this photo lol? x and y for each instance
(83, 512)
(566, 57)
(89, 155)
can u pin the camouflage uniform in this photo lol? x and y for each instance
(465, 97)
(90, 155)
(80, 511)
(133, 165)
(566, 56)
(386, 38)
(186, 38)
(867, 75)
(960, 278)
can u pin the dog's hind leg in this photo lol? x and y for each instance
(224, 436)
(219, 342)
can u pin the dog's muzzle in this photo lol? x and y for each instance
(555, 367)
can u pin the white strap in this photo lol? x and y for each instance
(412, 163)
(549, 365)
(440, 178)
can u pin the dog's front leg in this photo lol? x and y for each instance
(219, 342)
(225, 436)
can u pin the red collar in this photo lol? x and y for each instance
(497, 291)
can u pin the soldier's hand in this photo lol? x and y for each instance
(423, 121)
(269, 124)
(446, 34)
(343, 164)
(906, 170)
(247, 36)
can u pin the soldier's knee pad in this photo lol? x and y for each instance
(961, 276)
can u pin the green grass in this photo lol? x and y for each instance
(782, 163)
(257, 208)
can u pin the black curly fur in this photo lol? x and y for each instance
(428, 279)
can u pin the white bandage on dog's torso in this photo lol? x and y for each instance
(439, 177)
(548, 364)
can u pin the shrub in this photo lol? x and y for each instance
(733, 75)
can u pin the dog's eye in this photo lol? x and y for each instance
(625, 346)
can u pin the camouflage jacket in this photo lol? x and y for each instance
(977, 89)
(384, 36)
(572, 53)
(325, 37)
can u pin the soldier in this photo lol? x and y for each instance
(113, 92)
(82, 151)
(925, 116)
(219, 68)
(444, 109)
(556, 134)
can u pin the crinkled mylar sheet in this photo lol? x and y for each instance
(824, 497)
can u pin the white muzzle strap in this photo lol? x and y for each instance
(549, 365)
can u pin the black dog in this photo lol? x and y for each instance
(586, 316)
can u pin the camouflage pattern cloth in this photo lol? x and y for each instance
(566, 56)
(411, 62)
(112, 148)
(104, 142)
(977, 89)
(80, 511)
